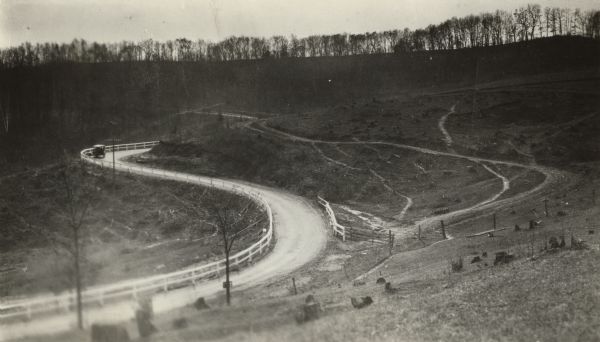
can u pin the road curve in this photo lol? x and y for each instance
(300, 236)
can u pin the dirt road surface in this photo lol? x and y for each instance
(300, 236)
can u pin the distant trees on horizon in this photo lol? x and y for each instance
(485, 29)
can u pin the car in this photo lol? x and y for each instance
(98, 151)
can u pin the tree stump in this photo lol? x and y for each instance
(109, 333)
(362, 302)
(200, 304)
(144, 323)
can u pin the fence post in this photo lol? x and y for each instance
(391, 241)
(294, 284)
(494, 218)
(546, 206)
(443, 230)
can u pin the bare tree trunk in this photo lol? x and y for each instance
(227, 283)
(77, 278)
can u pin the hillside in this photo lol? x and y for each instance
(76, 102)
(466, 178)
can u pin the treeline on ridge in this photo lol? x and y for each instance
(486, 29)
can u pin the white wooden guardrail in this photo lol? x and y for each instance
(338, 229)
(27, 308)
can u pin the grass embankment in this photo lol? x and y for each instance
(138, 228)
(553, 297)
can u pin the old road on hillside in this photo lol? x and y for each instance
(551, 175)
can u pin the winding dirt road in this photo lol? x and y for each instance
(300, 236)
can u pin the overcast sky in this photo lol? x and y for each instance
(112, 20)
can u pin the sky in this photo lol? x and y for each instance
(113, 20)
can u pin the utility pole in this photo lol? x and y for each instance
(113, 162)
(114, 125)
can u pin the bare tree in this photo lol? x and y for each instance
(75, 203)
(233, 217)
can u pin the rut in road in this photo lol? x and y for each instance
(449, 142)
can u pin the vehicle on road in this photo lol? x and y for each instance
(98, 151)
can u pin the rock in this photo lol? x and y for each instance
(577, 243)
(591, 231)
(310, 311)
(363, 302)
(380, 280)
(358, 283)
(476, 259)
(200, 304)
(484, 255)
(389, 289)
(562, 242)
(180, 323)
(553, 242)
(503, 258)
(517, 228)
(144, 323)
(109, 333)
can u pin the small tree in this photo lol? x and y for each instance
(230, 215)
(233, 216)
(75, 203)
